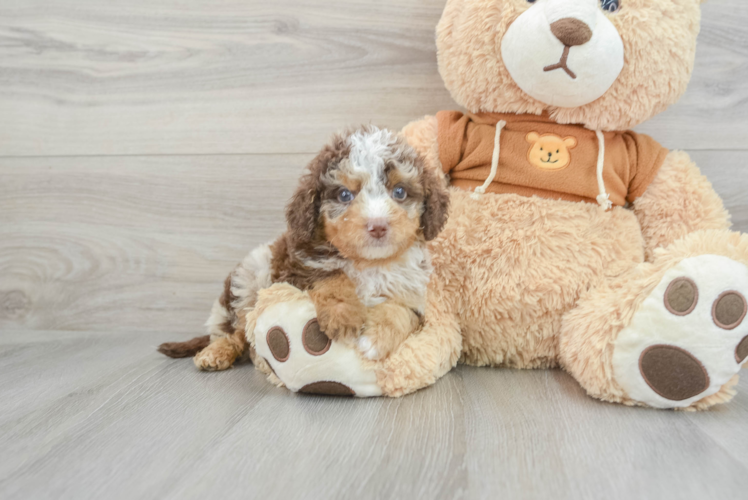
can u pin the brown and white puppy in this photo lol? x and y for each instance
(357, 230)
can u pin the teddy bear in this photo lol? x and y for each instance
(572, 242)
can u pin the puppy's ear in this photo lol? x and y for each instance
(303, 211)
(436, 204)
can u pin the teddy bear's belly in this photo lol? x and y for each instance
(510, 266)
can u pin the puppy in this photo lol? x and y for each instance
(358, 224)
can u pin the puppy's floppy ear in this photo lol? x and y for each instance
(303, 211)
(436, 204)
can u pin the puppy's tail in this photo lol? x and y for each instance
(184, 349)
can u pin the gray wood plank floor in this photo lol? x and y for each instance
(145, 146)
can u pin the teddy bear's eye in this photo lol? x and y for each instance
(610, 5)
(558, 150)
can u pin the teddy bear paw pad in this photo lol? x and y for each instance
(289, 338)
(689, 337)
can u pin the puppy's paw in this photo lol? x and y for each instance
(215, 357)
(341, 320)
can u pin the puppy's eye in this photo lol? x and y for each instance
(345, 196)
(399, 193)
(611, 6)
(530, 1)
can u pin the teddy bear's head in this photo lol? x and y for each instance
(606, 64)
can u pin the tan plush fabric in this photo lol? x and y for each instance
(531, 282)
(466, 143)
(589, 331)
(535, 283)
(679, 201)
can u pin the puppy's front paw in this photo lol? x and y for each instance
(341, 320)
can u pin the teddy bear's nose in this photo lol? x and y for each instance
(571, 31)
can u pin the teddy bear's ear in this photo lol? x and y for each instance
(532, 137)
(570, 142)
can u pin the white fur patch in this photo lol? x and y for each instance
(371, 149)
(529, 46)
(252, 275)
(695, 332)
(408, 277)
(218, 316)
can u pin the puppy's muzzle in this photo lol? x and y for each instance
(377, 228)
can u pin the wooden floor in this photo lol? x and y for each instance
(146, 146)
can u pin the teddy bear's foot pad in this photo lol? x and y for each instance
(688, 337)
(288, 336)
(328, 389)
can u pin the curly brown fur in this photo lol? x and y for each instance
(436, 206)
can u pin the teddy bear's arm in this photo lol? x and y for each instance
(679, 201)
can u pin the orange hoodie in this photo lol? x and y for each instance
(540, 157)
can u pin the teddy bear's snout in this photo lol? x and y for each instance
(571, 32)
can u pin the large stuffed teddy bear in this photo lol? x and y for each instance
(571, 241)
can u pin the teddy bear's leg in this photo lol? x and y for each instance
(670, 333)
(679, 201)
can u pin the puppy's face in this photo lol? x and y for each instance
(370, 197)
(373, 198)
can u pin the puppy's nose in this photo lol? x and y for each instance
(571, 32)
(377, 228)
